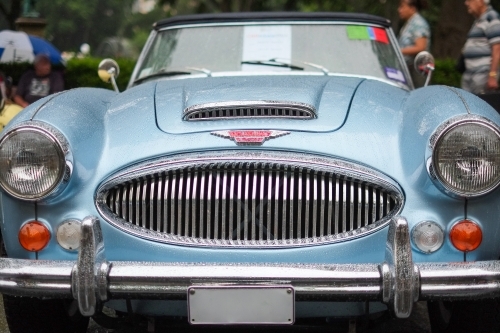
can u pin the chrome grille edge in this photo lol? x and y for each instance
(249, 199)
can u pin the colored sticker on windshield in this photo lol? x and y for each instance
(360, 32)
(378, 34)
(395, 74)
(357, 32)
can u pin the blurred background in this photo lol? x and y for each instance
(95, 29)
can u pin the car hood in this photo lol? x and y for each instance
(331, 97)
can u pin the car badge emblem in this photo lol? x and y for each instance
(249, 137)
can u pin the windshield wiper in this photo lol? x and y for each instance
(157, 74)
(272, 62)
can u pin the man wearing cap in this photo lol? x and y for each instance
(38, 83)
(482, 48)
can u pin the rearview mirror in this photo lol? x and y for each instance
(424, 65)
(108, 71)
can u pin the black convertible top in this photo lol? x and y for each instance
(270, 16)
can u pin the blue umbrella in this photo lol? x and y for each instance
(17, 46)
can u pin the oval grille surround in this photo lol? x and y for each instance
(246, 199)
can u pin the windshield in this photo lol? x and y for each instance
(329, 48)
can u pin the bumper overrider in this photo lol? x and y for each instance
(398, 282)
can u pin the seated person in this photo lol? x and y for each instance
(8, 109)
(38, 83)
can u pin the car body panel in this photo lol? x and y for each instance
(374, 124)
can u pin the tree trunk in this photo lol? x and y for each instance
(451, 31)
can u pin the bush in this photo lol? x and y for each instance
(83, 73)
(446, 73)
(77, 73)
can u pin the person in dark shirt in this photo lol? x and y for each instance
(38, 83)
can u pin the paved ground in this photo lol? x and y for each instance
(417, 323)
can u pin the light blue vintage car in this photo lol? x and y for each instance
(260, 168)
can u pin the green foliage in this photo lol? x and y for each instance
(71, 23)
(78, 72)
(83, 73)
(446, 73)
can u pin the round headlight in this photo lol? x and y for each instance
(466, 157)
(32, 163)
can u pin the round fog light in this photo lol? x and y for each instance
(466, 236)
(34, 236)
(68, 234)
(427, 236)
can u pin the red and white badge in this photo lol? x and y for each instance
(250, 137)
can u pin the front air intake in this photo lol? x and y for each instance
(250, 200)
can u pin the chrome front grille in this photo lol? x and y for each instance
(241, 200)
(249, 109)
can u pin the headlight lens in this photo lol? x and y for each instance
(466, 158)
(32, 163)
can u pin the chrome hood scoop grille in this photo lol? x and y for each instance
(249, 109)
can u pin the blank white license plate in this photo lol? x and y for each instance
(241, 305)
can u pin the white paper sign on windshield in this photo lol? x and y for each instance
(263, 43)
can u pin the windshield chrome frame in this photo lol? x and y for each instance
(390, 34)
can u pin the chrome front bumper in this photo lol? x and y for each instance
(397, 281)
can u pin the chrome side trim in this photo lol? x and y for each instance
(296, 161)
(249, 109)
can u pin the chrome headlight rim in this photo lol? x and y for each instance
(436, 139)
(64, 155)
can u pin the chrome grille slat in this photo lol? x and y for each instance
(322, 207)
(123, 195)
(246, 202)
(217, 203)
(344, 206)
(202, 205)
(172, 200)
(315, 204)
(209, 205)
(179, 204)
(290, 219)
(351, 206)
(276, 203)
(238, 204)
(285, 203)
(151, 205)
(224, 203)
(243, 203)
(193, 206)
(254, 205)
(337, 205)
(144, 203)
(261, 207)
(307, 203)
(269, 205)
(130, 202)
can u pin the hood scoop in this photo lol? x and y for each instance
(249, 109)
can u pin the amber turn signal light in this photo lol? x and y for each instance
(34, 236)
(466, 236)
